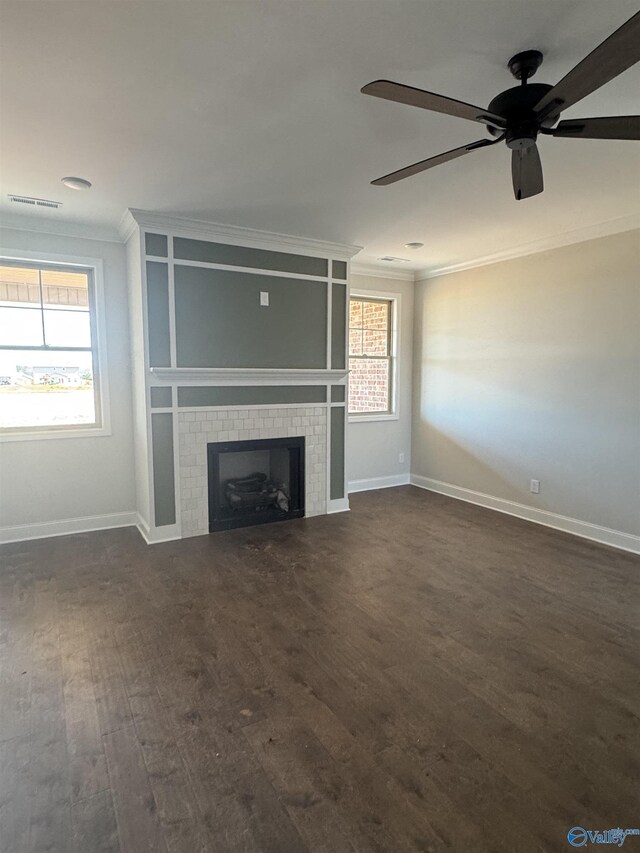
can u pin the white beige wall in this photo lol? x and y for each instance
(373, 447)
(52, 482)
(530, 368)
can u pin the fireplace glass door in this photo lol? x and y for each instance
(255, 482)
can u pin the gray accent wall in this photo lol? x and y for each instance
(220, 322)
(155, 244)
(224, 311)
(250, 395)
(338, 323)
(336, 458)
(163, 470)
(243, 256)
(158, 314)
(339, 269)
(160, 398)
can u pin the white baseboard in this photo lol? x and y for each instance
(338, 505)
(45, 529)
(154, 536)
(143, 528)
(379, 483)
(603, 535)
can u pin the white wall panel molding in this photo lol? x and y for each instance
(245, 376)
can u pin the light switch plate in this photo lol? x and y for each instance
(264, 298)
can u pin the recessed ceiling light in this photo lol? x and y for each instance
(76, 183)
(413, 245)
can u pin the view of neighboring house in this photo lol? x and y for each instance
(52, 375)
(71, 376)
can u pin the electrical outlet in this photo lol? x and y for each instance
(264, 298)
(400, 457)
(535, 487)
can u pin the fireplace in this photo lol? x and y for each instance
(255, 482)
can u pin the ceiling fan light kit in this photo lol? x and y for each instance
(518, 115)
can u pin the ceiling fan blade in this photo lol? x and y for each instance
(526, 171)
(613, 127)
(414, 169)
(616, 53)
(430, 101)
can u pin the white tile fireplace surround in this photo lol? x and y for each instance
(197, 428)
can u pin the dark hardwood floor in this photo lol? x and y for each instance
(418, 674)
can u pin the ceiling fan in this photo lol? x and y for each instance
(519, 114)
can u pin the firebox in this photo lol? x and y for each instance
(255, 482)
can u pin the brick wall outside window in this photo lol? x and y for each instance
(369, 356)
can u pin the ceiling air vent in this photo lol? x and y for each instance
(394, 260)
(35, 202)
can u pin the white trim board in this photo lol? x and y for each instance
(243, 375)
(67, 527)
(378, 483)
(207, 265)
(584, 529)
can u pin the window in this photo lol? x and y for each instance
(370, 356)
(48, 354)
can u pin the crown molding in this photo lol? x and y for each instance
(127, 226)
(382, 272)
(555, 241)
(60, 227)
(233, 234)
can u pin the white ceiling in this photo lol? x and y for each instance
(248, 112)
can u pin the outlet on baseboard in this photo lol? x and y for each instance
(400, 457)
(535, 487)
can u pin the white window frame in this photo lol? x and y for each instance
(396, 305)
(99, 348)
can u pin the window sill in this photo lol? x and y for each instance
(361, 419)
(47, 434)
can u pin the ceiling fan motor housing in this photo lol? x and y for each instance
(516, 106)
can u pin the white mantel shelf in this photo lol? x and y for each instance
(245, 375)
